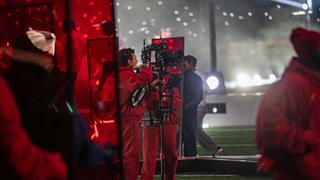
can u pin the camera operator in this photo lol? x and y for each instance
(131, 116)
(151, 134)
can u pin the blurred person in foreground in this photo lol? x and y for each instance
(131, 115)
(39, 89)
(20, 157)
(288, 119)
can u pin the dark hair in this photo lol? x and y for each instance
(190, 59)
(124, 55)
(23, 43)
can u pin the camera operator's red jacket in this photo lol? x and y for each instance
(19, 157)
(130, 81)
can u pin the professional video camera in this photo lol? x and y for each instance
(162, 58)
(159, 54)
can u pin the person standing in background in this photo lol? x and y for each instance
(192, 96)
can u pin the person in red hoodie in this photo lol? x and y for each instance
(131, 114)
(151, 136)
(20, 158)
(288, 119)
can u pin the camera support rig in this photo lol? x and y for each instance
(161, 58)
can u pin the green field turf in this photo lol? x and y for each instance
(235, 140)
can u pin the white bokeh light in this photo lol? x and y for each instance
(305, 6)
(129, 7)
(176, 12)
(212, 82)
(244, 80)
(205, 125)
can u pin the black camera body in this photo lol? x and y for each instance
(158, 54)
(161, 57)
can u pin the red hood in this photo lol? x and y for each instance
(306, 43)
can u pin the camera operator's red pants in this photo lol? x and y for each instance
(151, 141)
(130, 136)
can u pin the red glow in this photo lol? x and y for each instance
(94, 17)
(96, 132)
(84, 15)
(85, 36)
(173, 44)
(16, 23)
(8, 44)
(108, 121)
(97, 82)
(91, 3)
(78, 28)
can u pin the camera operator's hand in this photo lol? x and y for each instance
(155, 83)
(141, 66)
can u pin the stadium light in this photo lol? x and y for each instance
(212, 82)
(215, 83)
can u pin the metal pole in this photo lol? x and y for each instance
(70, 87)
(212, 27)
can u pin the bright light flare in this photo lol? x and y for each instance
(205, 126)
(212, 82)
(244, 80)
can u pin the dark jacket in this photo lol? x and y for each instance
(20, 158)
(192, 90)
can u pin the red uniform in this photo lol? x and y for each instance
(288, 120)
(19, 157)
(131, 118)
(151, 143)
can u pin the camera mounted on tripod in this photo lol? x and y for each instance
(165, 59)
